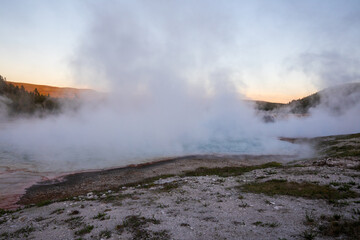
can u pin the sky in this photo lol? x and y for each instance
(271, 50)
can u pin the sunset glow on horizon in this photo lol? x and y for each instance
(273, 51)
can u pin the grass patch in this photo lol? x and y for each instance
(116, 198)
(3, 212)
(308, 235)
(57, 211)
(44, 203)
(337, 203)
(3, 221)
(39, 219)
(309, 218)
(25, 232)
(87, 229)
(105, 234)
(74, 222)
(167, 187)
(338, 146)
(336, 227)
(137, 221)
(4, 235)
(347, 136)
(230, 171)
(101, 216)
(305, 190)
(261, 224)
(357, 167)
(136, 225)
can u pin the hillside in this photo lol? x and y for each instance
(335, 99)
(16, 100)
(56, 92)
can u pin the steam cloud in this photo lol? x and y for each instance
(329, 68)
(171, 91)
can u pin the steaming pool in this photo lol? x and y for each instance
(20, 169)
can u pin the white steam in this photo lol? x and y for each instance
(173, 90)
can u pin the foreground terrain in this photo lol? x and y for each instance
(244, 198)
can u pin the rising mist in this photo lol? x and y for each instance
(172, 89)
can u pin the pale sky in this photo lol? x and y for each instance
(273, 50)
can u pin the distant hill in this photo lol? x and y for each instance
(16, 100)
(336, 99)
(28, 98)
(55, 92)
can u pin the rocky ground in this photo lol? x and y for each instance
(316, 198)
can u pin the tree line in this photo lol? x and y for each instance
(17, 101)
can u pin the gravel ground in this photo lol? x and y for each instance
(321, 199)
(194, 207)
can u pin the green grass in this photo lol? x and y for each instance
(39, 219)
(135, 221)
(116, 198)
(261, 224)
(87, 229)
(167, 187)
(74, 222)
(309, 219)
(3, 221)
(105, 234)
(136, 225)
(25, 232)
(357, 167)
(101, 216)
(347, 136)
(57, 211)
(3, 212)
(308, 235)
(4, 235)
(43, 203)
(338, 146)
(342, 151)
(335, 226)
(230, 171)
(305, 190)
